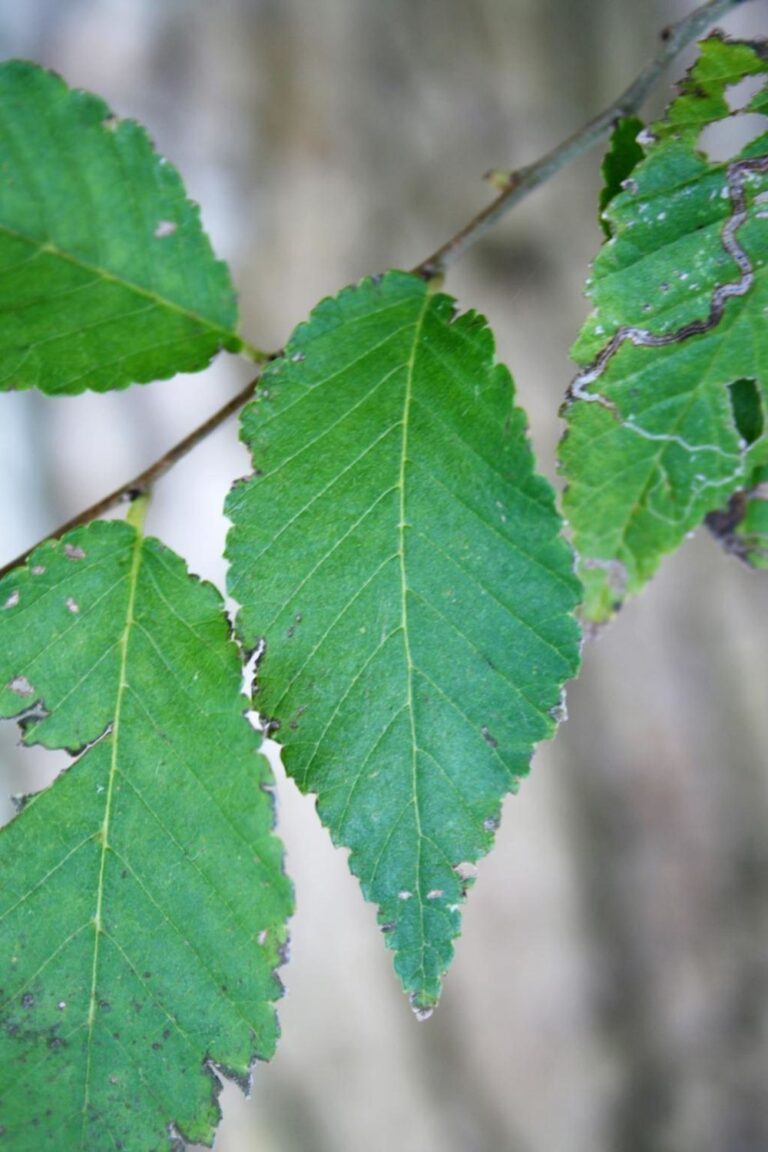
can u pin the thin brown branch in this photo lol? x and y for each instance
(140, 485)
(518, 184)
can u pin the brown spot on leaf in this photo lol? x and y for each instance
(21, 686)
(486, 735)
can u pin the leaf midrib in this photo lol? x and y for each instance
(162, 302)
(122, 684)
(409, 376)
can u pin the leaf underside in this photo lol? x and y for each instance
(404, 564)
(143, 901)
(680, 294)
(106, 276)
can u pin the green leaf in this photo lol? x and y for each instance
(623, 154)
(143, 901)
(106, 276)
(404, 564)
(656, 436)
(752, 530)
(747, 407)
(742, 526)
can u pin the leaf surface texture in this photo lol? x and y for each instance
(143, 901)
(680, 295)
(106, 276)
(404, 563)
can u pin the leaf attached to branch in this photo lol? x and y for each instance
(680, 294)
(404, 563)
(143, 901)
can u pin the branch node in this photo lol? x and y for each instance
(512, 186)
(502, 179)
(141, 485)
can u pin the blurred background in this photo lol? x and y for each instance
(610, 992)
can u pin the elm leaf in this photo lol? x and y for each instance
(674, 358)
(106, 276)
(143, 901)
(404, 564)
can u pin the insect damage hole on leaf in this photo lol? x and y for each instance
(21, 686)
(739, 95)
(722, 139)
(747, 407)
